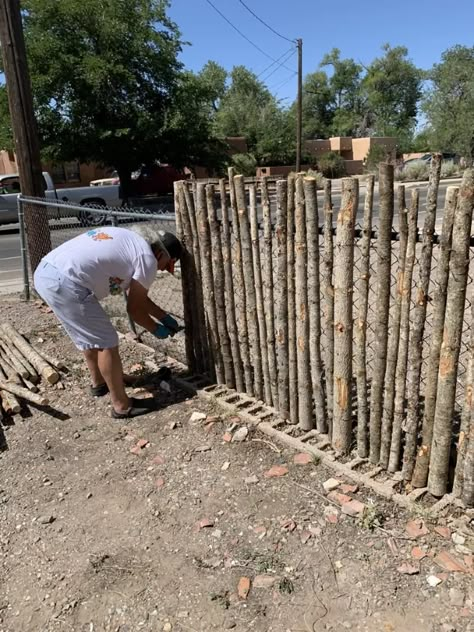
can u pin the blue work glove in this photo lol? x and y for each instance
(161, 332)
(169, 322)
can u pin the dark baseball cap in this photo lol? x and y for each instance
(172, 247)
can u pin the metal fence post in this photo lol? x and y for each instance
(114, 222)
(24, 254)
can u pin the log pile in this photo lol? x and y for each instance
(24, 371)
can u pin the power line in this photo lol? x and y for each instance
(274, 62)
(283, 83)
(264, 23)
(293, 52)
(240, 32)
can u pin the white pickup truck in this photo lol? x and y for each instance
(101, 196)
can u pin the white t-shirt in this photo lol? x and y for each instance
(105, 260)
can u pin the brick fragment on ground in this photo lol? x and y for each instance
(444, 532)
(449, 562)
(303, 458)
(340, 499)
(330, 484)
(409, 569)
(416, 528)
(349, 489)
(417, 553)
(243, 588)
(205, 523)
(276, 471)
(265, 581)
(142, 443)
(160, 482)
(227, 437)
(353, 508)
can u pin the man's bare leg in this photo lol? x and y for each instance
(110, 367)
(92, 360)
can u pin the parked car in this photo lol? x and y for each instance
(100, 196)
(104, 182)
(155, 180)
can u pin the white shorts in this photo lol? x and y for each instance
(76, 307)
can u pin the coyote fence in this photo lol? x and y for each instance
(359, 328)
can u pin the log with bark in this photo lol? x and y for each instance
(46, 370)
(290, 251)
(328, 293)
(281, 287)
(24, 393)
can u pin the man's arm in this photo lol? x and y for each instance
(138, 307)
(154, 310)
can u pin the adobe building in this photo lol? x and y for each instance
(353, 150)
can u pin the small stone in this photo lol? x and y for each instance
(349, 489)
(260, 531)
(160, 482)
(240, 435)
(416, 528)
(203, 448)
(303, 458)
(167, 627)
(306, 537)
(217, 533)
(225, 466)
(276, 471)
(227, 437)
(196, 416)
(243, 588)
(433, 581)
(230, 625)
(447, 627)
(142, 443)
(205, 523)
(158, 460)
(251, 480)
(457, 538)
(288, 525)
(135, 450)
(353, 508)
(408, 569)
(46, 519)
(76, 435)
(172, 426)
(444, 532)
(456, 597)
(330, 484)
(89, 495)
(265, 581)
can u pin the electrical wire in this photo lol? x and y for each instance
(264, 23)
(242, 34)
(283, 83)
(274, 62)
(279, 66)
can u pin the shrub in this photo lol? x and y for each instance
(319, 177)
(376, 155)
(415, 171)
(332, 165)
(245, 164)
(449, 169)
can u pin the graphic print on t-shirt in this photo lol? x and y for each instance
(98, 236)
(115, 285)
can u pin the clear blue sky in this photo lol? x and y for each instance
(357, 27)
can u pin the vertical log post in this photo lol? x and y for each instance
(229, 291)
(384, 259)
(314, 300)
(281, 286)
(249, 284)
(191, 337)
(208, 280)
(415, 356)
(361, 324)
(468, 476)
(257, 271)
(400, 378)
(189, 222)
(450, 347)
(290, 249)
(394, 337)
(343, 295)
(219, 292)
(465, 431)
(268, 290)
(239, 285)
(328, 293)
(305, 399)
(420, 475)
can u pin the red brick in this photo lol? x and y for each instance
(353, 508)
(227, 437)
(409, 569)
(303, 458)
(338, 498)
(417, 553)
(332, 518)
(449, 562)
(416, 528)
(142, 443)
(349, 489)
(444, 532)
(205, 523)
(243, 588)
(135, 450)
(276, 471)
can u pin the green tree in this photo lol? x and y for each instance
(318, 111)
(6, 133)
(106, 77)
(449, 103)
(344, 84)
(392, 90)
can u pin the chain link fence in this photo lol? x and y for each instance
(66, 221)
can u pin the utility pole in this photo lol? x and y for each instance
(299, 105)
(25, 132)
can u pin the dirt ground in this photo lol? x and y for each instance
(94, 537)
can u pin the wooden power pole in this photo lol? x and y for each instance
(24, 127)
(299, 105)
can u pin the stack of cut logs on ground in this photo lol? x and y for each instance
(24, 370)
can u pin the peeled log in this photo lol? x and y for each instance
(40, 364)
(24, 393)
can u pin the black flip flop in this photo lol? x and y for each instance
(99, 391)
(139, 407)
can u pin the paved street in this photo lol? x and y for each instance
(10, 261)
